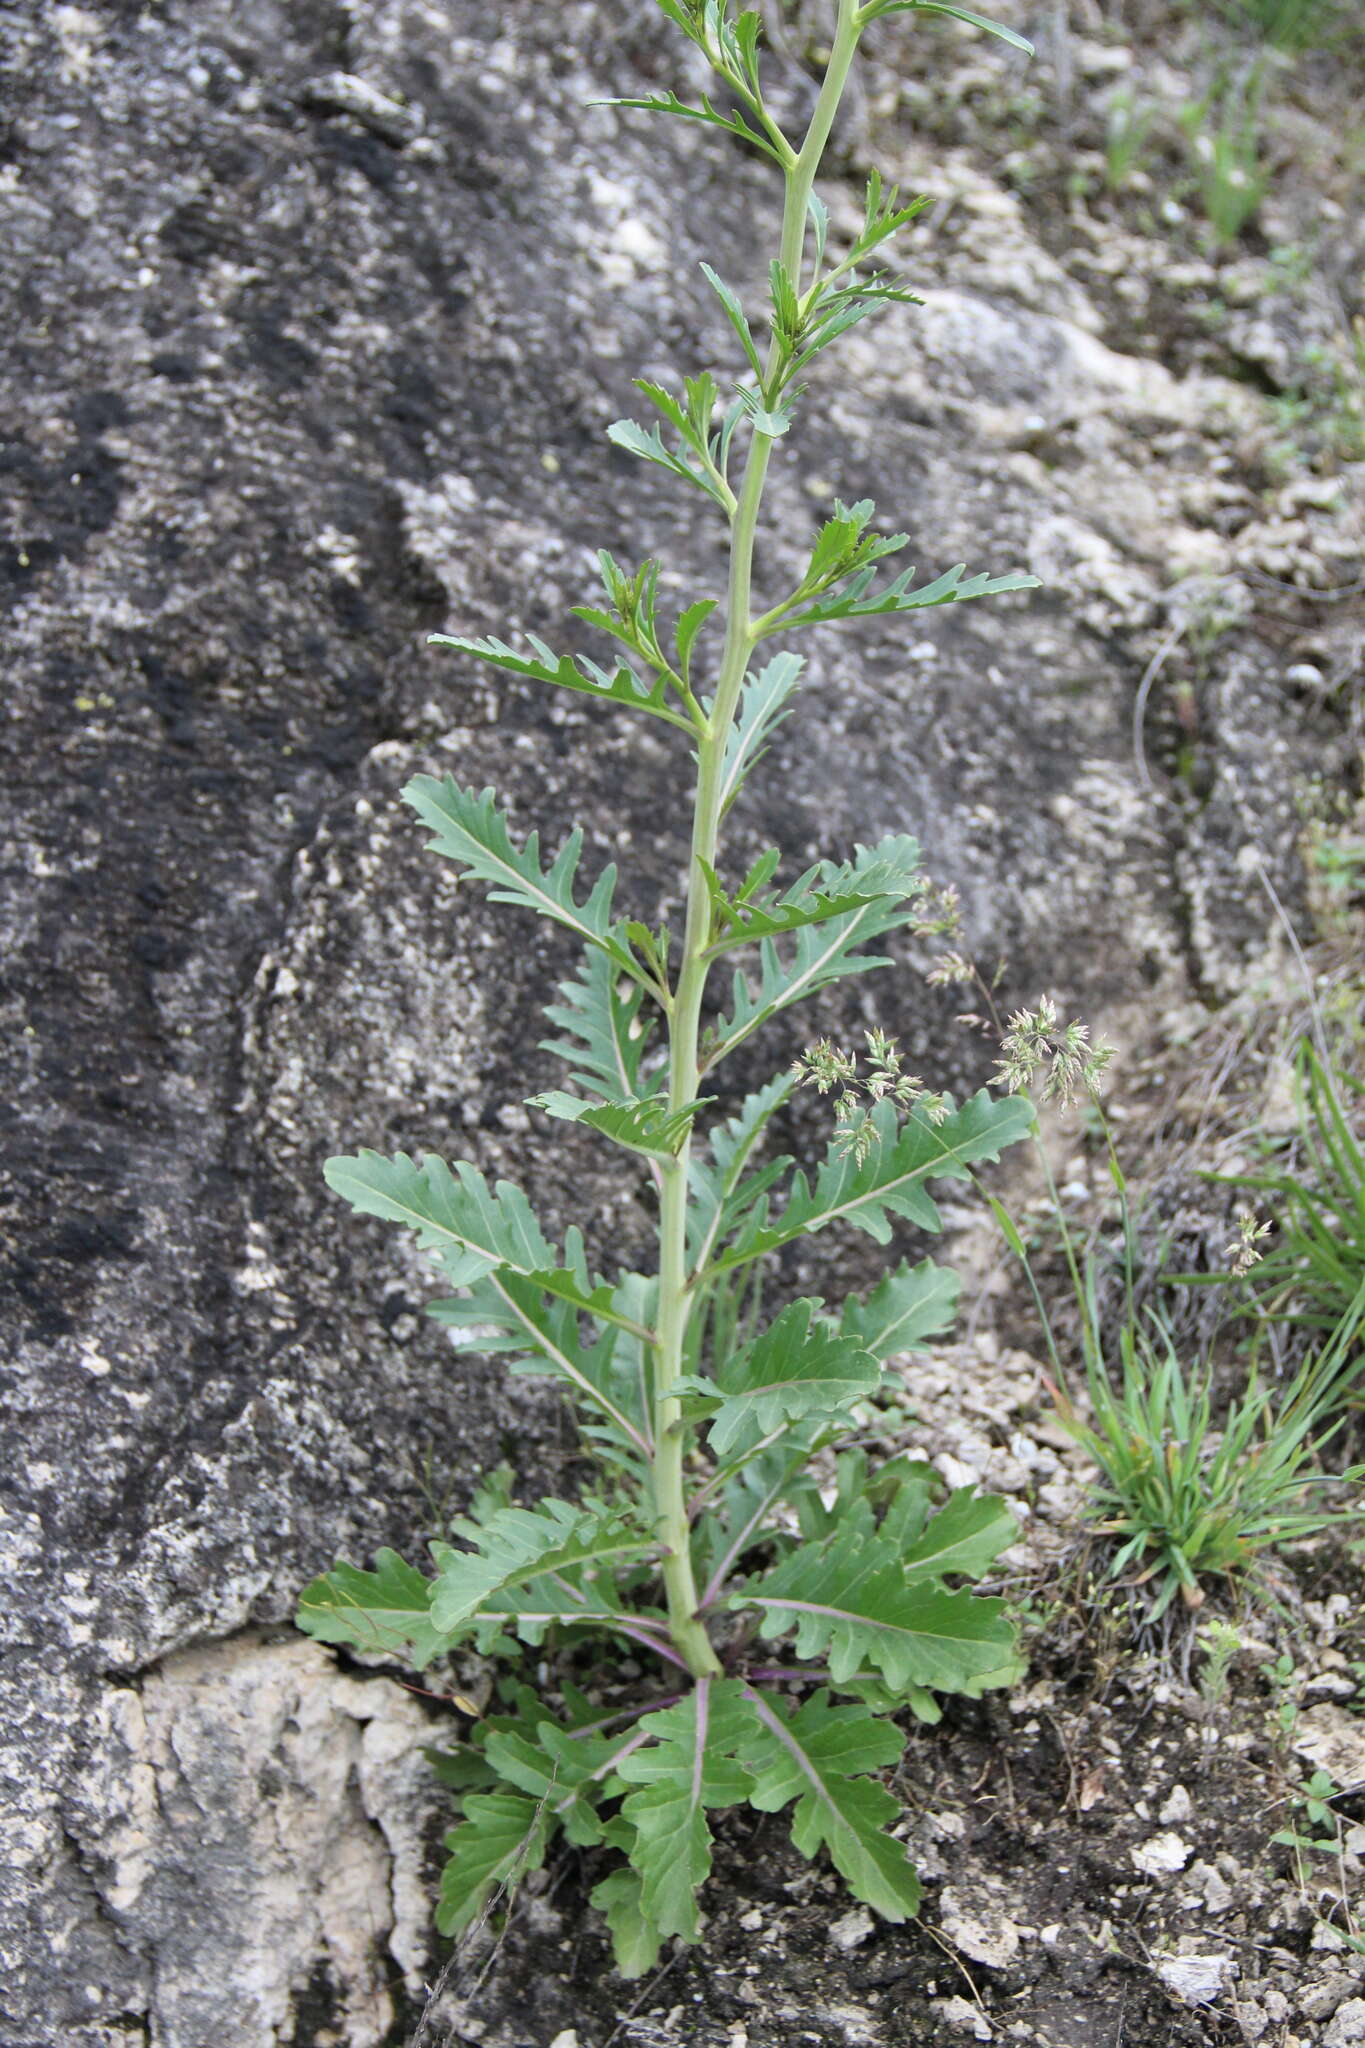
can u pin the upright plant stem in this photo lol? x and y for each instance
(675, 1302)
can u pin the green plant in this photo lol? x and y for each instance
(1286, 1691)
(1312, 1832)
(1291, 25)
(1184, 1496)
(1312, 1804)
(1187, 1500)
(1127, 127)
(1224, 129)
(733, 1507)
(1336, 865)
(1221, 1645)
(1314, 1273)
(1322, 415)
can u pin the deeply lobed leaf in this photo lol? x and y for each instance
(798, 1366)
(542, 1334)
(690, 1765)
(517, 1546)
(716, 1207)
(640, 1124)
(848, 1601)
(648, 443)
(963, 1539)
(467, 827)
(763, 704)
(819, 955)
(502, 1836)
(604, 1036)
(525, 1569)
(620, 685)
(470, 1228)
(669, 103)
(635, 1939)
(386, 1611)
(858, 600)
(828, 890)
(890, 1181)
(817, 1757)
(904, 1310)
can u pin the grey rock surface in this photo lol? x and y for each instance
(314, 315)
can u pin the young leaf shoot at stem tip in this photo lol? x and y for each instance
(708, 1542)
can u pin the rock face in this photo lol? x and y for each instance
(210, 1790)
(315, 314)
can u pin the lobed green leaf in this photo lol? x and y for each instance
(889, 1181)
(817, 1757)
(669, 103)
(515, 1546)
(568, 1769)
(799, 1366)
(502, 1836)
(635, 1939)
(386, 1611)
(639, 1123)
(854, 602)
(605, 1038)
(841, 308)
(690, 1765)
(821, 954)
(504, 1312)
(715, 1209)
(735, 314)
(772, 420)
(764, 702)
(847, 1600)
(825, 892)
(963, 1539)
(467, 827)
(689, 625)
(620, 685)
(904, 1310)
(470, 1228)
(843, 545)
(648, 443)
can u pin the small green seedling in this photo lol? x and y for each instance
(1221, 1645)
(783, 1597)
(1314, 1834)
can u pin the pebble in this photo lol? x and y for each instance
(959, 2012)
(1217, 1893)
(1195, 1979)
(341, 92)
(1178, 1806)
(993, 1945)
(1161, 1856)
(1347, 2029)
(851, 1929)
(1326, 1998)
(1335, 1741)
(1327, 1940)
